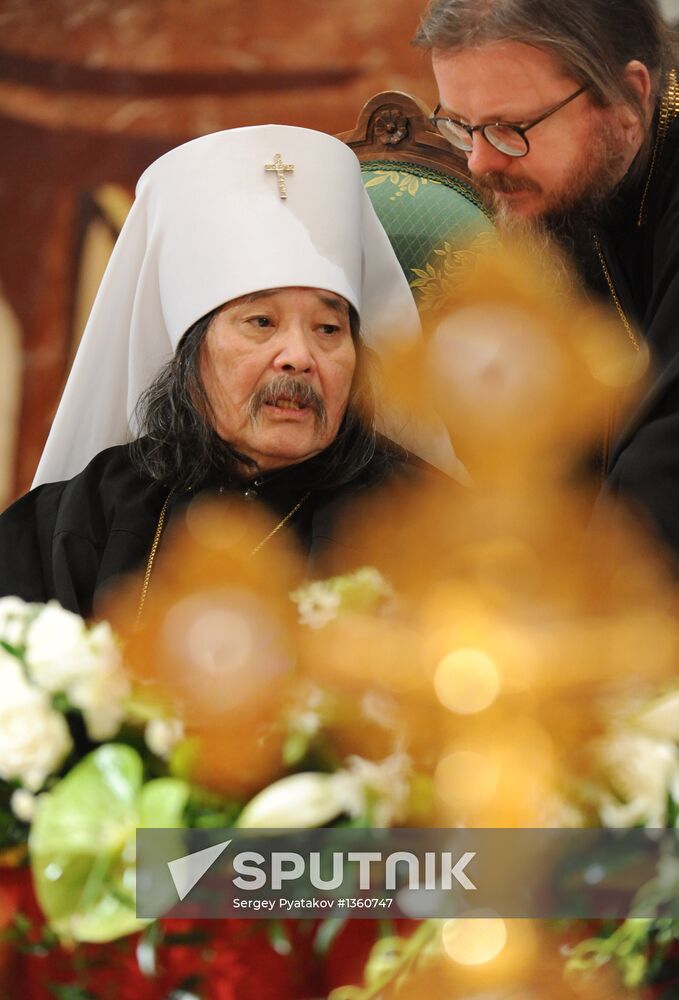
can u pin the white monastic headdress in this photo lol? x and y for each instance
(213, 220)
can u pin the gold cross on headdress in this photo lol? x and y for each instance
(281, 169)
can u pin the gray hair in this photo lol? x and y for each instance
(593, 39)
(178, 445)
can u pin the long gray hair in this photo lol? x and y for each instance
(593, 39)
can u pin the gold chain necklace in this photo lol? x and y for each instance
(614, 295)
(159, 531)
(669, 109)
(610, 418)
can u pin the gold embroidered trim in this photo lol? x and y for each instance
(439, 279)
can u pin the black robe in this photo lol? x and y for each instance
(72, 540)
(643, 261)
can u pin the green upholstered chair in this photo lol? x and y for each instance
(422, 192)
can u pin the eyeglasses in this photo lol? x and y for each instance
(507, 138)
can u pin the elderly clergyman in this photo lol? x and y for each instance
(227, 351)
(568, 113)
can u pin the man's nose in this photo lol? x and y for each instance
(295, 352)
(485, 158)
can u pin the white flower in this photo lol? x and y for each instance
(321, 601)
(317, 604)
(307, 723)
(641, 770)
(102, 689)
(303, 801)
(300, 801)
(34, 739)
(163, 735)
(371, 579)
(305, 715)
(102, 697)
(23, 804)
(63, 655)
(557, 813)
(14, 617)
(58, 648)
(381, 790)
(380, 708)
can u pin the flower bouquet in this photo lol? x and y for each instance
(509, 666)
(88, 756)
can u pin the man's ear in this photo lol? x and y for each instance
(639, 79)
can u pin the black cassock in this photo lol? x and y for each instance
(643, 262)
(73, 540)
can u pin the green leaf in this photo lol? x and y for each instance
(206, 810)
(12, 650)
(295, 747)
(60, 703)
(162, 802)
(392, 959)
(82, 842)
(147, 949)
(183, 759)
(13, 831)
(279, 936)
(68, 991)
(326, 933)
(193, 938)
(385, 959)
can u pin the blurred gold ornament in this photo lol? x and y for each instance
(376, 672)
(466, 681)
(475, 939)
(215, 644)
(525, 373)
(497, 774)
(475, 957)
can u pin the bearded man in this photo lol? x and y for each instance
(228, 352)
(568, 116)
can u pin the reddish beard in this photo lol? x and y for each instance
(601, 168)
(496, 182)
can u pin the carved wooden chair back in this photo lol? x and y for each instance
(421, 190)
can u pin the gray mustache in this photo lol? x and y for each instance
(291, 388)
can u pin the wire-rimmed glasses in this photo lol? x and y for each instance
(508, 138)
